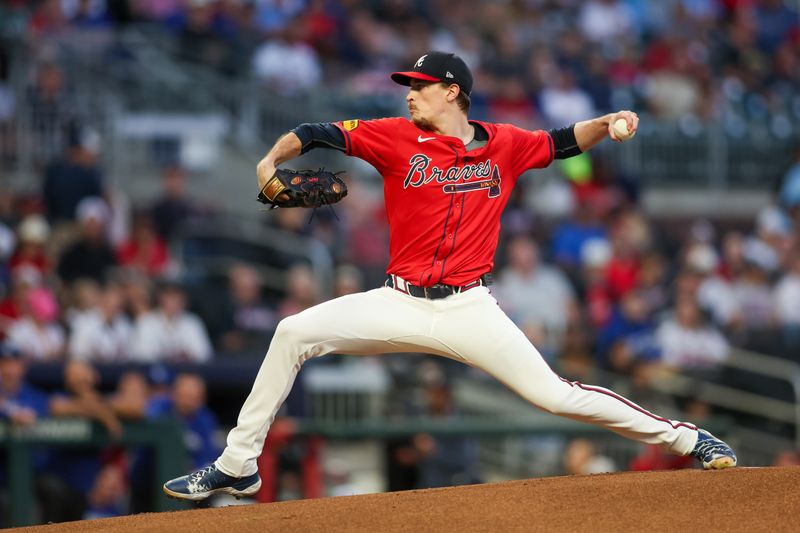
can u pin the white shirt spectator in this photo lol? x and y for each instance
(755, 302)
(605, 19)
(683, 347)
(183, 339)
(270, 61)
(37, 342)
(542, 297)
(787, 299)
(717, 296)
(566, 105)
(97, 340)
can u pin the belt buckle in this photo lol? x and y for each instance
(425, 293)
(438, 291)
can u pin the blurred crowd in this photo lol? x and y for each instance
(78, 483)
(597, 285)
(547, 62)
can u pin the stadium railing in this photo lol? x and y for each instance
(164, 437)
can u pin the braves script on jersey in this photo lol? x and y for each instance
(444, 203)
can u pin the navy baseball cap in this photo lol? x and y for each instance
(438, 66)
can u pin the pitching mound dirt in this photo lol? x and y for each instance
(742, 499)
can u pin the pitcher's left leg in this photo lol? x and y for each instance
(475, 328)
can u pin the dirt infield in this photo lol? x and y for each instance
(743, 499)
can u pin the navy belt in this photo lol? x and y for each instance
(434, 292)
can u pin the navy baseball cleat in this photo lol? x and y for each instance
(201, 484)
(712, 452)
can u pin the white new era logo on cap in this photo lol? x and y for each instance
(448, 75)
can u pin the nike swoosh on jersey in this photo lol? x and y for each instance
(423, 139)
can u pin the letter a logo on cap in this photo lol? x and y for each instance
(419, 61)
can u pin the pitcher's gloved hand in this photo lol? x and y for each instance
(302, 188)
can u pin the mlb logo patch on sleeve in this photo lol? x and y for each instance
(350, 125)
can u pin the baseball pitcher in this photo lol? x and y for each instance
(446, 181)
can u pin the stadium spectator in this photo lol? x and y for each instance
(629, 335)
(81, 397)
(103, 334)
(751, 289)
(23, 280)
(170, 333)
(108, 495)
(138, 295)
(444, 460)
(91, 256)
(687, 341)
(302, 291)
(246, 322)
(48, 18)
(347, 279)
(288, 47)
(87, 14)
(202, 36)
(187, 405)
(774, 229)
(531, 292)
(571, 234)
(73, 178)
(787, 304)
(605, 20)
(563, 102)
(713, 292)
(145, 250)
(652, 282)
(595, 255)
(173, 207)
(81, 300)
(790, 184)
(129, 400)
(367, 232)
(20, 403)
(581, 458)
(37, 333)
(51, 109)
(32, 235)
(629, 237)
(69, 474)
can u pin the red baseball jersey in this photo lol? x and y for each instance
(444, 203)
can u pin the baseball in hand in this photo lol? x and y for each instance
(621, 130)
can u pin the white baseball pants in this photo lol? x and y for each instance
(468, 327)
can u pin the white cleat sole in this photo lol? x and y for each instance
(249, 491)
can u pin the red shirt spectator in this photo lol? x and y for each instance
(145, 251)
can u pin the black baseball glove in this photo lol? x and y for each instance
(302, 188)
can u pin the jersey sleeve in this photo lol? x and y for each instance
(374, 141)
(532, 149)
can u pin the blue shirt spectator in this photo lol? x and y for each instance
(19, 402)
(569, 238)
(632, 324)
(187, 405)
